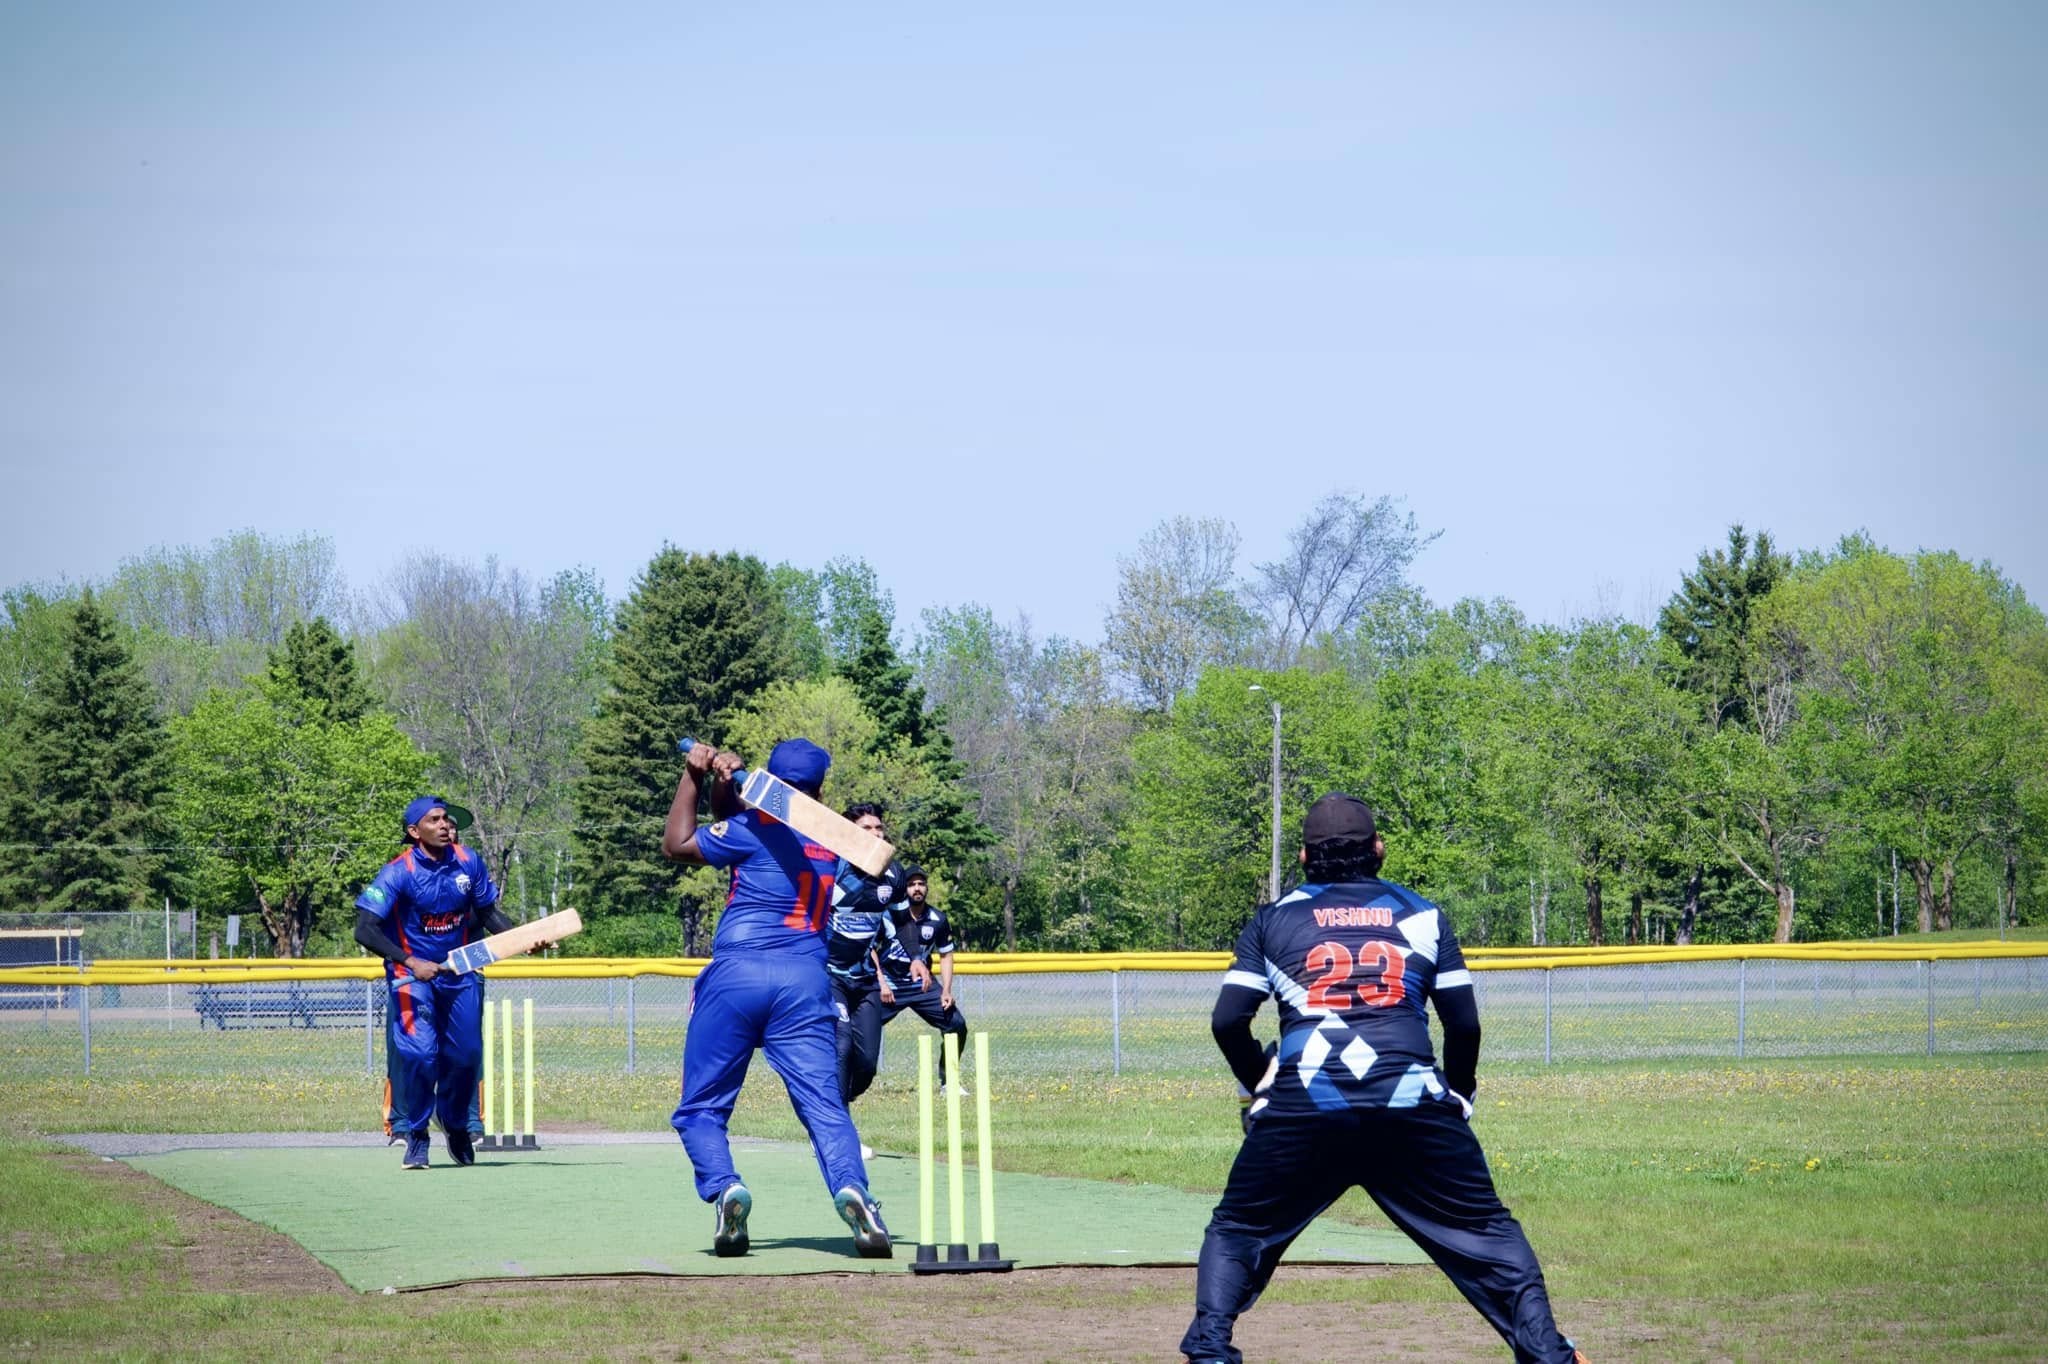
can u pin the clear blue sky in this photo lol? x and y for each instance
(982, 296)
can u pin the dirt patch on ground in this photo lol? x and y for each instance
(216, 1250)
(1111, 1314)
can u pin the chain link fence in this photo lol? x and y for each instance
(27, 938)
(1070, 1024)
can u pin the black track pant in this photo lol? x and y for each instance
(925, 1004)
(1424, 1168)
(859, 1035)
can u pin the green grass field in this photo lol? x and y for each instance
(1775, 1210)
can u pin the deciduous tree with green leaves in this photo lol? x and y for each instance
(279, 807)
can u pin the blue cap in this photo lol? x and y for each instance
(422, 806)
(801, 763)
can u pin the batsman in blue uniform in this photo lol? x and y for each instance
(766, 987)
(434, 897)
(1353, 1095)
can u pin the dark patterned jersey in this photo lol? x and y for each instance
(1352, 967)
(859, 904)
(914, 938)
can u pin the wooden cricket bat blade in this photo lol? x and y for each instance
(815, 820)
(513, 942)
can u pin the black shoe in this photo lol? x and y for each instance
(460, 1148)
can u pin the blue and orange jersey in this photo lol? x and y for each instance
(1352, 967)
(781, 890)
(431, 905)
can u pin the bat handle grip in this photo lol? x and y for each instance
(685, 744)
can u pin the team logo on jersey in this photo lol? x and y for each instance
(376, 893)
(884, 891)
(718, 829)
(462, 882)
(928, 931)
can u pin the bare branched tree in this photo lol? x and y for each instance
(1177, 609)
(494, 675)
(1343, 555)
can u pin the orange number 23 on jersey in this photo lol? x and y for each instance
(1380, 967)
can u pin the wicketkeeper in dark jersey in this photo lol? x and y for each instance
(1354, 1096)
(860, 906)
(917, 931)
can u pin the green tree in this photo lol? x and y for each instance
(700, 636)
(1610, 733)
(81, 828)
(281, 807)
(1200, 829)
(1917, 673)
(1708, 620)
(1045, 749)
(316, 664)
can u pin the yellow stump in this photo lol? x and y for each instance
(956, 1178)
(489, 1095)
(925, 1180)
(529, 1082)
(505, 1085)
(982, 1154)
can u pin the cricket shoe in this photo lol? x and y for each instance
(864, 1215)
(729, 1232)
(416, 1148)
(964, 1091)
(867, 1152)
(461, 1149)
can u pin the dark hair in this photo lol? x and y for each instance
(1343, 859)
(861, 809)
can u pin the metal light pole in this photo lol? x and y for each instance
(1273, 880)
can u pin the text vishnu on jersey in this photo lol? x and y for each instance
(1355, 916)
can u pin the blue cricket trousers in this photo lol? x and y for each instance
(780, 1002)
(1424, 1168)
(437, 1030)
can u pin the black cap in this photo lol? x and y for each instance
(1338, 818)
(913, 872)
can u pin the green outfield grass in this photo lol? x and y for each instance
(1876, 1208)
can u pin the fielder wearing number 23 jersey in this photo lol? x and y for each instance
(1352, 968)
(1353, 1098)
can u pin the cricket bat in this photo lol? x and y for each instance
(513, 942)
(823, 825)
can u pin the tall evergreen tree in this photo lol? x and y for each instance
(701, 635)
(935, 824)
(1708, 619)
(317, 665)
(80, 817)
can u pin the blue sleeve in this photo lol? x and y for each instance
(381, 896)
(725, 843)
(483, 891)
